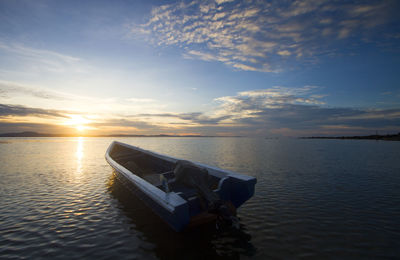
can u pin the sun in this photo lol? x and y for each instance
(80, 128)
(78, 122)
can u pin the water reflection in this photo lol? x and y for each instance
(197, 243)
(79, 154)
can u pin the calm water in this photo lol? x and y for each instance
(314, 199)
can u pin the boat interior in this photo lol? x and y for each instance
(152, 169)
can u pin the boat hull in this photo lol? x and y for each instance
(175, 209)
(178, 219)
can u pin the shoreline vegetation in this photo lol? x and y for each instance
(394, 137)
(35, 134)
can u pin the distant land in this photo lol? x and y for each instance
(394, 137)
(35, 134)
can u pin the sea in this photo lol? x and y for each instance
(314, 199)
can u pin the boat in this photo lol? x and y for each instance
(152, 177)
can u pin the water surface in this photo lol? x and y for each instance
(314, 199)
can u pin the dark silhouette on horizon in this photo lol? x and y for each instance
(36, 134)
(393, 137)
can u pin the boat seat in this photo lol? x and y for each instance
(184, 191)
(152, 178)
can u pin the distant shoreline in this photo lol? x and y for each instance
(395, 137)
(35, 134)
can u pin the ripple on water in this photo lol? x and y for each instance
(314, 199)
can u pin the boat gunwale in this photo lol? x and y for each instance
(169, 201)
(217, 172)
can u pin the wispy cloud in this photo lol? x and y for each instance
(41, 60)
(8, 89)
(16, 93)
(141, 100)
(248, 103)
(196, 118)
(261, 35)
(17, 110)
(132, 125)
(37, 53)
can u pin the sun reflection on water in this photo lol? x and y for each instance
(79, 154)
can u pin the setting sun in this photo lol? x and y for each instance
(79, 122)
(80, 128)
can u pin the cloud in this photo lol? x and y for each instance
(257, 35)
(295, 111)
(300, 111)
(22, 50)
(17, 118)
(275, 97)
(273, 111)
(8, 88)
(21, 93)
(141, 100)
(223, 1)
(41, 60)
(121, 122)
(16, 110)
(284, 53)
(197, 118)
(13, 127)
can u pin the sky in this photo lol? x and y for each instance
(221, 67)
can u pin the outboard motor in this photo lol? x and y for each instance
(196, 177)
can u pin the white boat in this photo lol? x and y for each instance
(151, 177)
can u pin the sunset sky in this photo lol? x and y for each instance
(251, 68)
